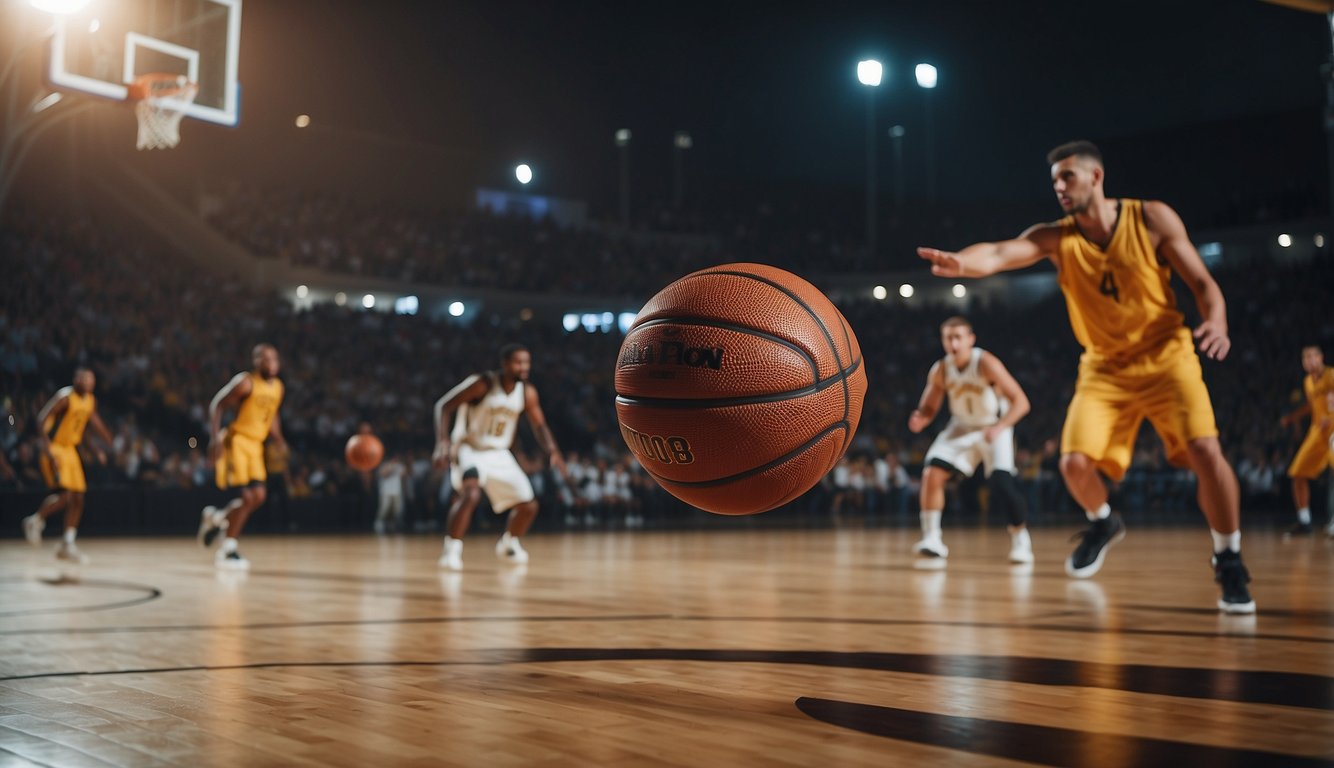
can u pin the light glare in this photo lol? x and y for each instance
(1285, 240)
(456, 309)
(523, 173)
(879, 292)
(926, 75)
(368, 301)
(906, 291)
(959, 291)
(302, 121)
(870, 72)
(302, 291)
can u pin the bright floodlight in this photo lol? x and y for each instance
(959, 291)
(905, 291)
(879, 292)
(622, 137)
(340, 298)
(869, 72)
(1319, 240)
(302, 121)
(302, 291)
(59, 7)
(456, 309)
(368, 301)
(523, 173)
(1285, 240)
(926, 75)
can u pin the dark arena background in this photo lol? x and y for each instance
(390, 193)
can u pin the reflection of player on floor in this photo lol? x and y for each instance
(238, 451)
(74, 407)
(1114, 261)
(985, 404)
(479, 458)
(1313, 456)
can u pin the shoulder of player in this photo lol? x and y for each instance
(1046, 234)
(1159, 217)
(988, 364)
(63, 393)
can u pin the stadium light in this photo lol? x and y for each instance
(959, 291)
(879, 292)
(302, 291)
(59, 7)
(870, 72)
(368, 301)
(1285, 240)
(340, 298)
(926, 75)
(524, 173)
(302, 121)
(906, 290)
(456, 309)
(1319, 240)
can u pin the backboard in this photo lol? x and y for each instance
(107, 45)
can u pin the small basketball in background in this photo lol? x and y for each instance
(738, 387)
(364, 451)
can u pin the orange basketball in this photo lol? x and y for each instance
(738, 387)
(364, 451)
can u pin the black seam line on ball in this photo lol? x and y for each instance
(815, 370)
(829, 337)
(843, 425)
(730, 402)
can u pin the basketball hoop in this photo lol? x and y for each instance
(160, 101)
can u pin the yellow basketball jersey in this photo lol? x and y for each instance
(73, 420)
(1317, 390)
(255, 416)
(1119, 297)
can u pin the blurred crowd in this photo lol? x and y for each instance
(162, 338)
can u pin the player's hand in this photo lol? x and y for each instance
(558, 464)
(214, 453)
(992, 432)
(917, 421)
(1211, 338)
(440, 458)
(943, 263)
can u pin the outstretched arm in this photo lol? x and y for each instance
(1174, 245)
(982, 259)
(538, 421)
(929, 404)
(994, 371)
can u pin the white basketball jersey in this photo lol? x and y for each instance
(973, 401)
(489, 423)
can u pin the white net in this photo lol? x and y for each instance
(161, 109)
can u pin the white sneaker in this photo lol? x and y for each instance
(510, 550)
(32, 529)
(1021, 552)
(70, 553)
(230, 561)
(931, 546)
(212, 521)
(452, 558)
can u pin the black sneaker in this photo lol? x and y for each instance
(1298, 529)
(1093, 546)
(1232, 576)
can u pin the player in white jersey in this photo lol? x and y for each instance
(985, 404)
(478, 457)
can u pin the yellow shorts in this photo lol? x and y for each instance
(66, 472)
(242, 462)
(1314, 455)
(1110, 403)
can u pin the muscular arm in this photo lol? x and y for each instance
(230, 396)
(994, 371)
(469, 389)
(532, 408)
(929, 404)
(103, 433)
(1038, 242)
(1174, 245)
(57, 405)
(276, 431)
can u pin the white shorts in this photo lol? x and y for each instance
(504, 483)
(964, 448)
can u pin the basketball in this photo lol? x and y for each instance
(364, 451)
(738, 387)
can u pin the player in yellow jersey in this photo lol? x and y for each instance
(237, 453)
(1114, 260)
(1314, 454)
(68, 412)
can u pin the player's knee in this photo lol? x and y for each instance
(1076, 464)
(1204, 449)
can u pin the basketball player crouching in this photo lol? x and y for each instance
(477, 453)
(985, 404)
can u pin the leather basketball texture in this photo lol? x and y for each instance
(738, 387)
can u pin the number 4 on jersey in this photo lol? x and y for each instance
(1108, 286)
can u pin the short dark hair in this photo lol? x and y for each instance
(507, 351)
(1079, 148)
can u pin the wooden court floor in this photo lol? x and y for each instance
(758, 647)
